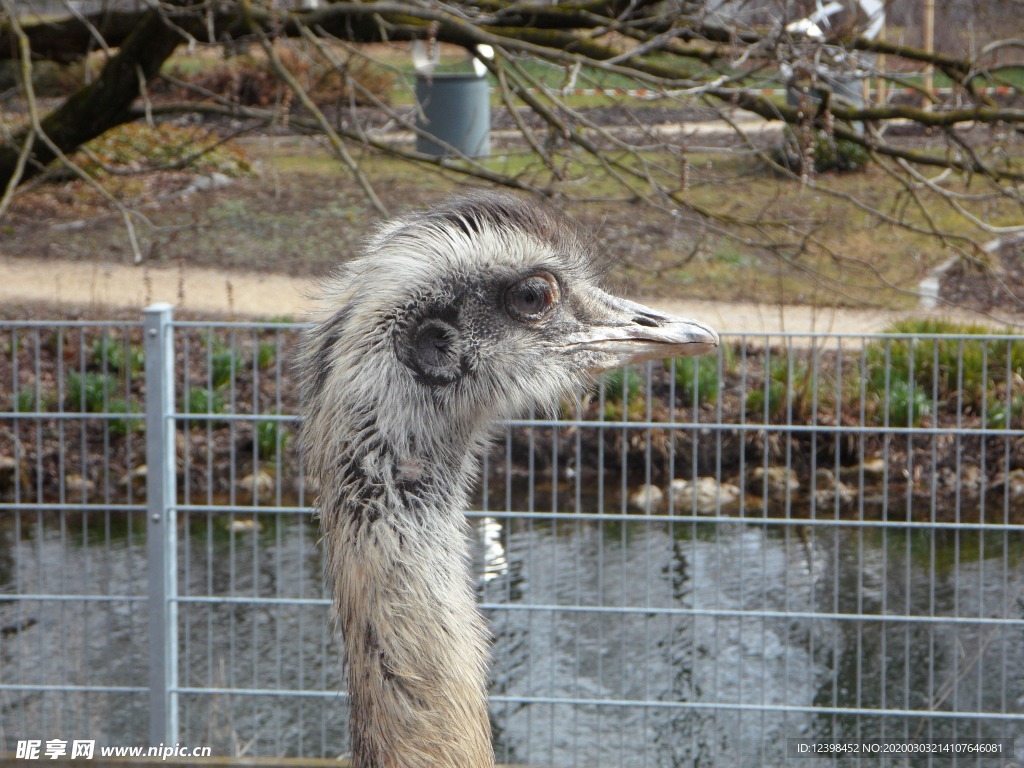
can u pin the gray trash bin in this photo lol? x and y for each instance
(454, 109)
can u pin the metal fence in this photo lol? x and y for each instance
(805, 536)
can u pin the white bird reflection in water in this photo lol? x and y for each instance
(495, 562)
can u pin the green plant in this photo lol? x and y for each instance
(828, 153)
(622, 391)
(271, 439)
(89, 391)
(199, 400)
(26, 401)
(1003, 415)
(118, 354)
(620, 383)
(93, 393)
(774, 393)
(697, 379)
(225, 361)
(123, 426)
(955, 367)
(788, 391)
(906, 405)
(224, 364)
(266, 354)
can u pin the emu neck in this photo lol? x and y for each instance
(416, 645)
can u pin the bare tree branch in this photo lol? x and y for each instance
(99, 106)
(767, 86)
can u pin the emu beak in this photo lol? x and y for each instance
(624, 332)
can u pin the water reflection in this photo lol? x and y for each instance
(494, 563)
(743, 636)
(632, 642)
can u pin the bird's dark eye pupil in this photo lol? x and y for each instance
(531, 299)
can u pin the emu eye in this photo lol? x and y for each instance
(532, 298)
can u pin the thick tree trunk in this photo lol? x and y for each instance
(104, 104)
(68, 40)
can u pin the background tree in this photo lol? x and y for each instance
(788, 94)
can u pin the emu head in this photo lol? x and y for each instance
(459, 317)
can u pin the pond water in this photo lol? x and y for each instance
(633, 642)
(730, 654)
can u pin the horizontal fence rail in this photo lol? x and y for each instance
(803, 536)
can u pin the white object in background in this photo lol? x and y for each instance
(875, 11)
(426, 58)
(809, 26)
(482, 52)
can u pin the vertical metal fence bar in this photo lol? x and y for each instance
(161, 528)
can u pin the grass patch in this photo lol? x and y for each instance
(89, 391)
(697, 378)
(905, 405)
(801, 389)
(225, 363)
(126, 425)
(787, 393)
(199, 401)
(31, 401)
(623, 395)
(93, 392)
(271, 439)
(851, 253)
(266, 355)
(117, 355)
(932, 371)
(968, 373)
(1006, 413)
(965, 375)
(621, 384)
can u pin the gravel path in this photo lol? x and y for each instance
(69, 284)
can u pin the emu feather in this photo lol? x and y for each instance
(451, 321)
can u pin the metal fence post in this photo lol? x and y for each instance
(161, 528)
